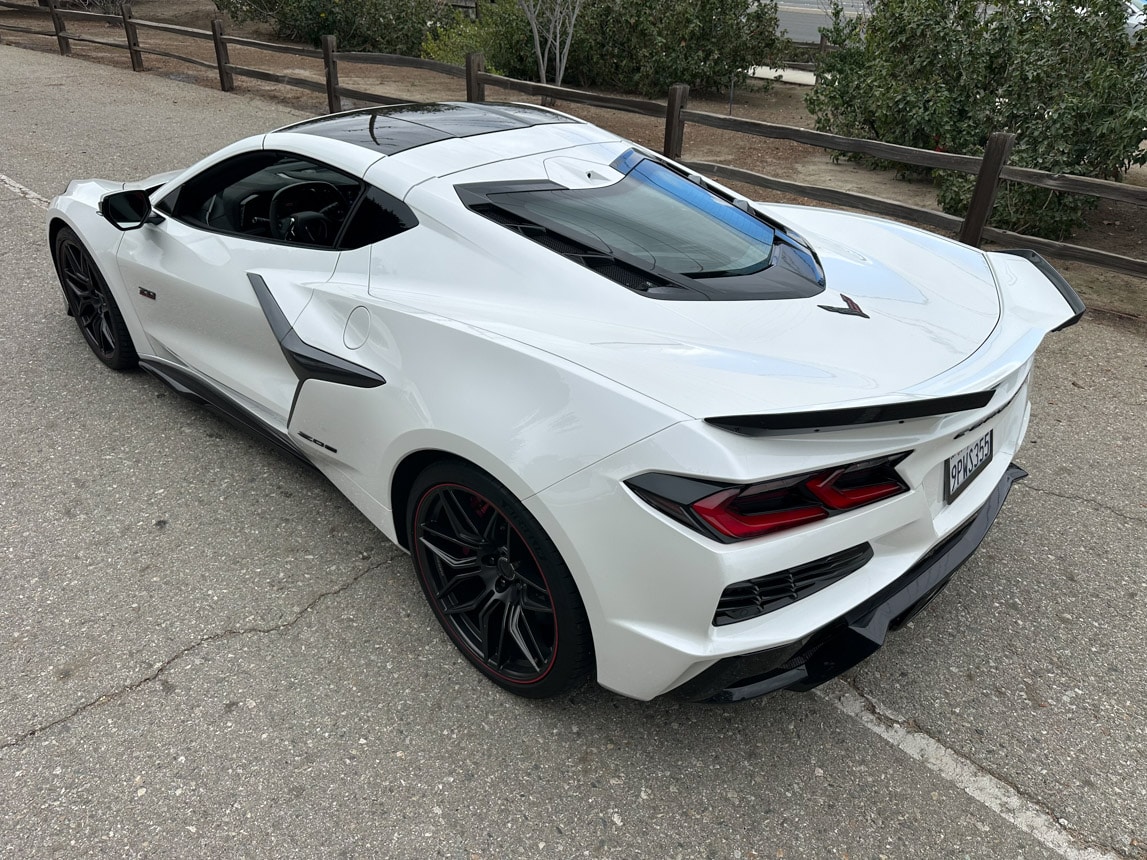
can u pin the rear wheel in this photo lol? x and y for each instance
(91, 303)
(497, 583)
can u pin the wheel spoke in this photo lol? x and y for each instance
(73, 260)
(463, 542)
(77, 276)
(459, 517)
(524, 638)
(107, 339)
(485, 616)
(458, 563)
(489, 531)
(528, 603)
(455, 581)
(534, 597)
(499, 658)
(469, 605)
(78, 285)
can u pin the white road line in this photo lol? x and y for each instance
(998, 796)
(27, 193)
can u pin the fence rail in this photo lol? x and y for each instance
(190, 32)
(530, 88)
(838, 143)
(274, 47)
(400, 61)
(849, 199)
(990, 170)
(80, 14)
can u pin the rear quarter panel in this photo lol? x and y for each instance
(522, 415)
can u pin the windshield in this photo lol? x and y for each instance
(656, 216)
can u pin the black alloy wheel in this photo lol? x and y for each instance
(497, 583)
(91, 303)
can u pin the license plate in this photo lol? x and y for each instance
(959, 470)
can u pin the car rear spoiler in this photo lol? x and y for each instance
(1058, 281)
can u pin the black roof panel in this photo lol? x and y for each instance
(394, 129)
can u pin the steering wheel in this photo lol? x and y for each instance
(303, 212)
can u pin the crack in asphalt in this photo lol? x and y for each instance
(161, 668)
(994, 791)
(1035, 488)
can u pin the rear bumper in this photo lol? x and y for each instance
(849, 639)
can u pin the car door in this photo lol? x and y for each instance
(187, 273)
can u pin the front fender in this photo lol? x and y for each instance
(78, 209)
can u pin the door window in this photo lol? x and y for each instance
(269, 196)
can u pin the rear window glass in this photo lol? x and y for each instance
(656, 216)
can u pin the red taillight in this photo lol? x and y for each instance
(719, 511)
(740, 512)
(843, 498)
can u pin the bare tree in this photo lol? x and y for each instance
(552, 23)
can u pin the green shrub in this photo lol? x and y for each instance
(649, 45)
(105, 7)
(944, 74)
(641, 46)
(501, 33)
(386, 26)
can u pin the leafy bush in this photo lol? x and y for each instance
(641, 46)
(107, 7)
(944, 74)
(649, 45)
(500, 32)
(387, 26)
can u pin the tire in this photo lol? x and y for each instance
(91, 303)
(497, 583)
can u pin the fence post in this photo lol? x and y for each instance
(334, 100)
(58, 26)
(674, 125)
(222, 57)
(132, 34)
(475, 65)
(987, 184)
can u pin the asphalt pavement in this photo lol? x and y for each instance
(206, 652)
(802, 19)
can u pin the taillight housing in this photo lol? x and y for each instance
(736, 512)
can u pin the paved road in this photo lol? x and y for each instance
(206, 652)
(802, 19)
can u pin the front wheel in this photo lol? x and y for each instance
(497, 583)
(91, 303)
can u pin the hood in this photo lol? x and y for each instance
(91, 191)
(155, 181)
(927, 304)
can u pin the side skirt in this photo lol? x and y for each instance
(208, 395)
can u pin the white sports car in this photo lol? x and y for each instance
(626, 422)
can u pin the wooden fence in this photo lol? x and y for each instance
(990, 169)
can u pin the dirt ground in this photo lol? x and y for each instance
(1115, 227)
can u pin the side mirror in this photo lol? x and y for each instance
(128, 210)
